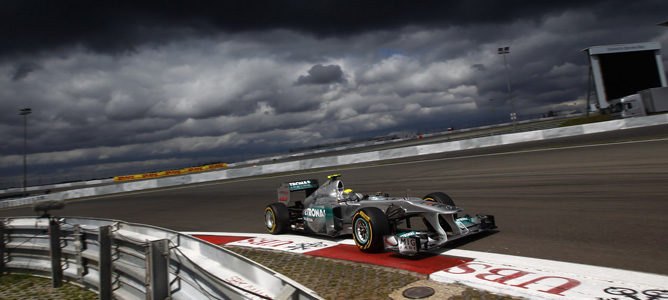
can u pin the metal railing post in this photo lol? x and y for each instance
(78, 249)
(56, 254)
(158, 267)
(104, 240)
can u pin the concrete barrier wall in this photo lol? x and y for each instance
(57, 186)
(343, 160)
(292, 155)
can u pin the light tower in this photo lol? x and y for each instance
(25, 112)
(513, 115)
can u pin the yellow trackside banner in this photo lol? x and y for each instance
(193, 170)
(126, 178)
(149, 175)
(137, 177)
(170, 172)
(215, 166)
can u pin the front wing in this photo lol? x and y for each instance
(414, 242)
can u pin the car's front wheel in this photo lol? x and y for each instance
(439, 197)
(276, 218)
(442, 198)
(369, 226)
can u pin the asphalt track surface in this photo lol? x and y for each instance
(600, 204)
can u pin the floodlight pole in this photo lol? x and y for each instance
(513, 115)
(25, 112)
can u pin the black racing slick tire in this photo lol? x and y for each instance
(276, 218)
(439, 197)
(442, 198)
(370, 225)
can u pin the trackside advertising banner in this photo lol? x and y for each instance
(170, 172)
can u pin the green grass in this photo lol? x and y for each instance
(586, 120)
(19, 286)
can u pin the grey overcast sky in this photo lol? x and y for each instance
(126, 86)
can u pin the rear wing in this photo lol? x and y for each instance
(284, 190)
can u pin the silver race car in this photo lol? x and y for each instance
(406, 225)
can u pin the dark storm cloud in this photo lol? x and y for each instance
(158, 84)
(112, 26)
(22, 70)
(479, 67)
(320, 74)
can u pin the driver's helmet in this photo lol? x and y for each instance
(348, 194)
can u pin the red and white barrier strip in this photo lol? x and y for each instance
(507, 274)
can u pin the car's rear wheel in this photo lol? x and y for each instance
(276, 218)
(369, 226)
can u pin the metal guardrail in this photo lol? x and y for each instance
(122, 260)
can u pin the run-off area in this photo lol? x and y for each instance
(504, 274)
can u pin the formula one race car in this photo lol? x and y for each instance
(406, 225)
